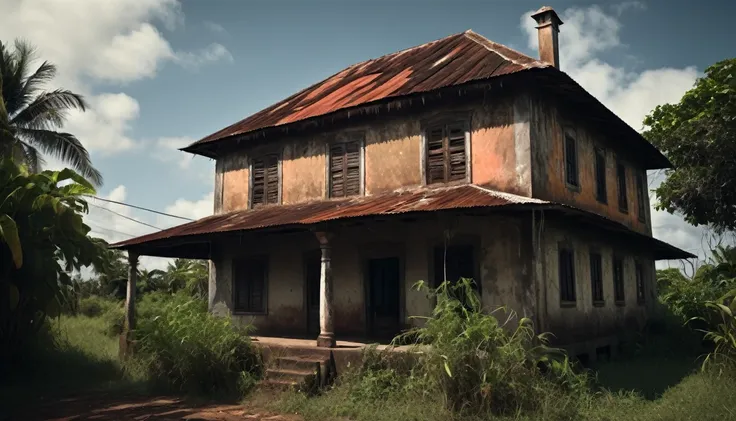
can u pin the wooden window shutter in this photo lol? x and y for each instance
(345, 169)
(249, 282)
(265, 180)
(447, 158)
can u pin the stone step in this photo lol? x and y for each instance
(304, 363)
(298, 376)
(279, 384)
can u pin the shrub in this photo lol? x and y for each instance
(479, 365)
(723, 332)
(94, 306)
(187, 349)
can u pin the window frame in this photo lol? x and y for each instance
(602, 301)
(619, 300)
(357, 137)
(600, 196)
(566, 302)
(251, 179)
(262, 259)
(621, 188)
(463, 119)
(641, 292)
(640, 196)
(570, 134)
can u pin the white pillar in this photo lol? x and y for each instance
(129, 322)
(326, 338)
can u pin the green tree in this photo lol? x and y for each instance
(111, 270)
(42, 240)
(189, 275)
(698, 135)
(30, 116)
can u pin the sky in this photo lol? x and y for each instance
(160, 74)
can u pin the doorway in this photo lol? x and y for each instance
(312, 274)
(384, 297)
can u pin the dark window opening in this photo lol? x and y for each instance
(600, 176)
(571, 161)
(265, 180)
(596, 277)
(345, 169)
(640, 198)
(249, 285)
(446, 155)
(623, 203)
(640, 292)
(454, 263)
(567, 275)
(618, 280)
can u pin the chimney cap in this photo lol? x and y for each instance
(546, 15)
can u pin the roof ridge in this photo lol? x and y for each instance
(484, 42)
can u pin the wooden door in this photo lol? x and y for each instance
(384, 283)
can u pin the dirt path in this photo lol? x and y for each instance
(108, 407)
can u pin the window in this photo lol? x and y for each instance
(457, 261)
(618, 280)
(600, 176)
(623, 204)
(249, 285)
(571, 161)
(567, 275)
(446, 154)
(640, 198)
(640, 293)
(596, 278)
(265, 179)
(344, 169)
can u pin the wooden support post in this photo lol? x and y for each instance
(326, 338)
(129, 323)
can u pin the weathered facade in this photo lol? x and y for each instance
(457, 158)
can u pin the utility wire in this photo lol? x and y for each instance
(96, 228)
(141, 208)
(125, 216)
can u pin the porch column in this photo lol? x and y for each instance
(326, 338)
(129, 323)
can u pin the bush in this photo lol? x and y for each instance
(181, 345)
(94, 306)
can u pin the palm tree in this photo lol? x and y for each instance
(30, 116)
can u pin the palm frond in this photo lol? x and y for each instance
(33, 83)
(33, 159)
(66, 147)
(15, 74)
(48, 110)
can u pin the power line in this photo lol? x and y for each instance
(125, 216)
(141, 208)
(96, 228)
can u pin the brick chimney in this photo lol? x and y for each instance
(548, 27)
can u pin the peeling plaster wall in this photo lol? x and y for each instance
(586, 321)
(235, 179)
(548, 163)
(504, 266)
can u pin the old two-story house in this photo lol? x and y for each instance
(457, 158)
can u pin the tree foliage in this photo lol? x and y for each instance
(30, 116)
(698, 135)
(42, 240)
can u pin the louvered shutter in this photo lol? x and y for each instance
(457, 158)
(272, 180)
(337, 173)
(265, 180)
(259, 182)
(352, 169)
(436, 156)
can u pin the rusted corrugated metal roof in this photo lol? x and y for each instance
(419, 200)
(453, 60)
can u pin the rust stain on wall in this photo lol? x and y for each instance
(392, 157)
(493, 147)
(235, 179)
(548, 172)
(303, 171)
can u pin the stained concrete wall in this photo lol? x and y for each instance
(504, 265)
(585, 321)
(394, 156)
(547, 128)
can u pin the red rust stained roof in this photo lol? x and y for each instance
(420, 200)
(453, 60)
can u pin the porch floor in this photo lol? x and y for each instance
(280, 342)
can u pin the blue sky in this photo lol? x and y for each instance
(162, 73)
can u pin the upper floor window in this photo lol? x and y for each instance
(640, 198)
(344, 172)
(600, 176)
(618, 280)
(265, 180)
(571, 161)
(566, 267)
(447, 157)
(623, 204)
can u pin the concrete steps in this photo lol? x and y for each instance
(307, 373)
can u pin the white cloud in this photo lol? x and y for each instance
(114, 41)
(584, 36)
(193, 209)
(215, 27)
(167, 150)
